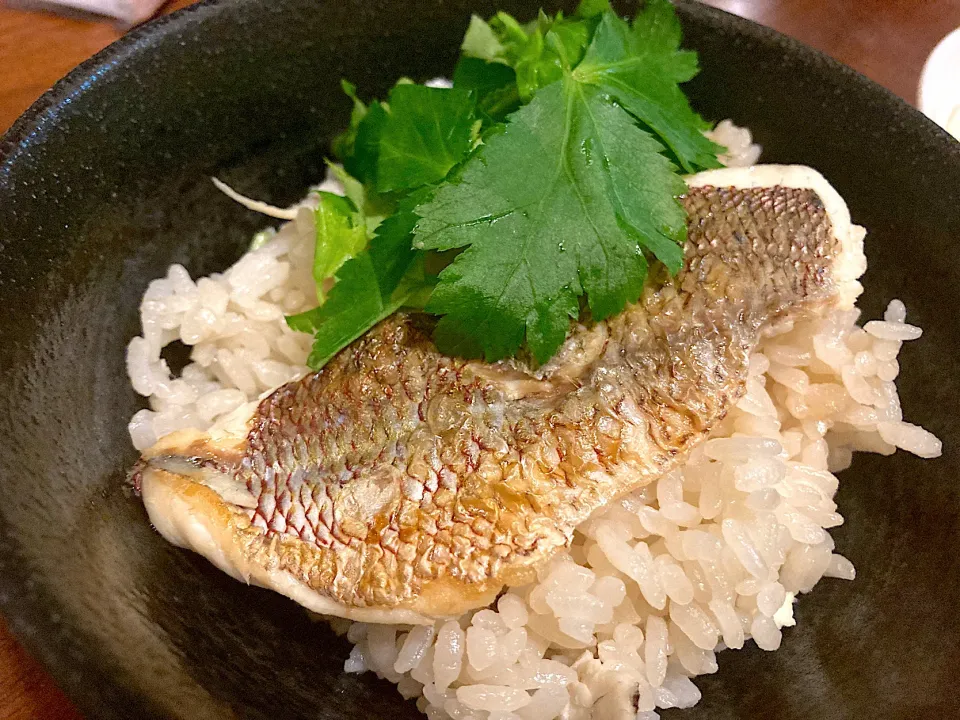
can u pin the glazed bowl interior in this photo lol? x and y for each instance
(105, 182)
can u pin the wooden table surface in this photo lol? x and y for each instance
(887, 40)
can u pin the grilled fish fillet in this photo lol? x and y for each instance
(399, 485)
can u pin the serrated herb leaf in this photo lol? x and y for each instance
(340, 234)
(388, 275)
(356, 193)
(372, 207)
(343, 143)
(360, 160)
(592, 8)
(594, 192)
(355, 305)
(541, 54)
(545, 210)
(391, 249)
(480, 41)
(494, 85)
(426, 133)
(641, 67)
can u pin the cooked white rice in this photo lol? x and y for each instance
(707, 558)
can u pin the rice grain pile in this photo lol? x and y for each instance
(709, 557)
(234, 322)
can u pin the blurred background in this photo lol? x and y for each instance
(889, 41)
(886, 40)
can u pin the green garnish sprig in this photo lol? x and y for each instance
(539, 188)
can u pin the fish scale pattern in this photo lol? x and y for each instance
(395, 470)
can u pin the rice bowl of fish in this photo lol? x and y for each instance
(600, 531)
(708, 557)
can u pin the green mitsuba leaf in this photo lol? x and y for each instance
(542, 184)
(371, 207)
(427, 132)
(391, 249)
(354, 306)
(360, 159)
(542, 53)
(369, 287)
(592, 8)
(493, 84)
(481, 41)
(641, 66)
(560, 204)
(343, 143)
(341, 233)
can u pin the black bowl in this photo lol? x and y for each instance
(104, 182)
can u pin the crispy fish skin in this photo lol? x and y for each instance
(400, 485)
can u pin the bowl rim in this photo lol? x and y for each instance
(31, 122)
(30, 128)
